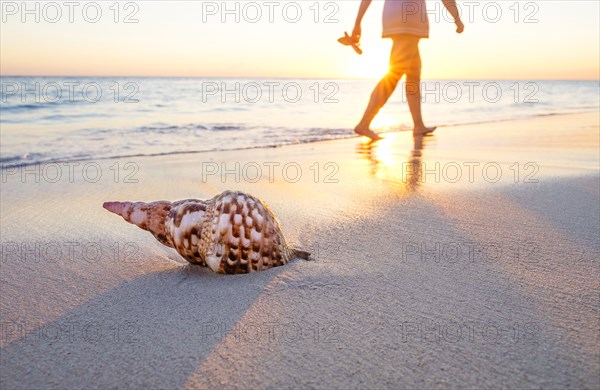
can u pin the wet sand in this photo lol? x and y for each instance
(466, 259)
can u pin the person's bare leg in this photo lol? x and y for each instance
(380, 95)
(413, 96)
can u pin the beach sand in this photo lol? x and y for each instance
(466, 260)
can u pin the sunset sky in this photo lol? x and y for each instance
(188, 38)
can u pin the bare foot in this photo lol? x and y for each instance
(367, 133)
(420, 131)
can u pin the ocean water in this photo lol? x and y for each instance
(59, 119)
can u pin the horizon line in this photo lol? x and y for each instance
(292, 77)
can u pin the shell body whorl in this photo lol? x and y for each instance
(231, 233)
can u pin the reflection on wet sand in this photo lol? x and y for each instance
(387, 163)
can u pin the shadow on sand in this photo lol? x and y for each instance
(154, 330)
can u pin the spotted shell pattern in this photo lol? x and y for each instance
(231, 233)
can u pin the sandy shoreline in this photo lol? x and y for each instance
(468, 260)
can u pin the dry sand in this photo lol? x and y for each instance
(489, 279)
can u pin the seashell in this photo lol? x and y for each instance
(232, 233)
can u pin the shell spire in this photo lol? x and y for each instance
(231, 233)
(147, 216)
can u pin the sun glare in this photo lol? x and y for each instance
(387, 120)
(373, 64)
